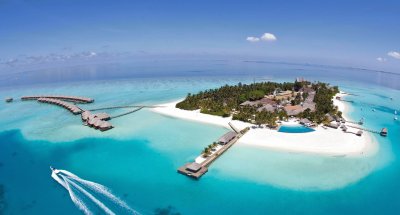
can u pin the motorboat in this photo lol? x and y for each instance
(54, 170)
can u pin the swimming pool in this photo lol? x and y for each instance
(295, 129)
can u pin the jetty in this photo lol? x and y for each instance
(129, 112)
(75, 99)
(234, 128)
(125, 106)
(354, 122)
(71, 107)
(383, 132)
(97, 121)
(197, 169)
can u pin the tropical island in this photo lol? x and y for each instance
(268, 102)
(270, 108)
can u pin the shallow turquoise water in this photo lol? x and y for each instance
(138, 159)
(295, 129)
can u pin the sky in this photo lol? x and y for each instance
(363, 34)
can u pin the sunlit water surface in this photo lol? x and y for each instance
(139, 157)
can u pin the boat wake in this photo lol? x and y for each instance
(89, 196)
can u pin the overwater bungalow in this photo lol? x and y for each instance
(384, 132)
(85, 115)
(105, 126)
(9, 99)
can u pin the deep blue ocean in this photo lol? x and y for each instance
(138, 159)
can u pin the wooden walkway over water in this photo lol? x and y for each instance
(234, 128)
(124, 106)
(90, 119)
(201, 168)
(76, 99)
(129, 112)
(71, 107)
(367, 130)
(354, 122)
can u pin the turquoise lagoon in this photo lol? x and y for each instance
(139, 157)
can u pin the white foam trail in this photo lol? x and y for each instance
(78, 202)
(65, 172)
(105, 191)
(55, 177)
(90, 196)
(68, 176)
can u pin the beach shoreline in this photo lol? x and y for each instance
(322, 141)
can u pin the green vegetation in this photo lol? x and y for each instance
(208, 150)
(323, 102)
(221, 101)
(225, 101)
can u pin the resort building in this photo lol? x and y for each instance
(334, 125)
(193, 167)
(227, 137)
(267, 107)
(306, 122)
(71, 107)
(293, 110)
(284, 95)
(97, 120)
(263, 101)
(309, 101)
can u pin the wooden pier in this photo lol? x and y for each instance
(75, 99)
(234, 128)
(94, 120)
(124, 106)
(196, 170)
(71, 107)
(354, 122)
(129, 112)
(383, 132)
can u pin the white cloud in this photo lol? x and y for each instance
(381, 59)
(394, 54)
(253, 39)
(268, 37)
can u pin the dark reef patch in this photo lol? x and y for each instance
(170, 210)
(3, 203)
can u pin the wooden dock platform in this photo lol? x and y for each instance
(71, 107)
(94, 120)
(383, 132)
(196, 170)
(193, 173)
(76, 99)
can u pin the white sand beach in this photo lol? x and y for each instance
(324, 141)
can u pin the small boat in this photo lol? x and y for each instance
(395, 118)
(54, 170)
(373, 110)
(395, 112)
